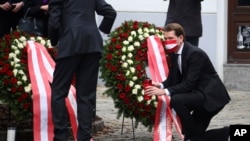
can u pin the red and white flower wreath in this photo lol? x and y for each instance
(123, 69)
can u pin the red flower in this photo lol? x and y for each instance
(109, 56)
(120, 86)
(127, 89)
(122, 95)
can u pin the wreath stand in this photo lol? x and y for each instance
(132, 127)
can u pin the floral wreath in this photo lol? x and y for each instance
(123, 69)
(15, 84)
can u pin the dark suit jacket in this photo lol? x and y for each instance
(188, 14)
(73, 24)
(198, 74)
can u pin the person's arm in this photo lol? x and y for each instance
(109, 14)
(55, 11)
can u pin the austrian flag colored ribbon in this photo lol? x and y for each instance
(165, 116)
(41, 67)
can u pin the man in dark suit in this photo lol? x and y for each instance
(196, 91)
(74, 32)
(188, 14)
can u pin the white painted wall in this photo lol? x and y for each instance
(208, 6)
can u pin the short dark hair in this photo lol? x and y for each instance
(177, 28)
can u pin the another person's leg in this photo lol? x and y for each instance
(194, 40)
(4, 26)
(86, 83)
(63, 74)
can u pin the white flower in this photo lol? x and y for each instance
(124, 49)
(127, 73)
(39, 38)
(134, 78)
(132, 69)
(137, 44)
(32, 38)
(146, 35)
(130, 55)
(155, 104)
(130, 61)
(20, 46)
(125, 42)
(20, 72)
(133, 33)
(123, 57)
(138, 86)
(15, 72)
(19, 83)
(141, 37)
(140, 98)
(131, 83)
(22, 38)
(130, 39)
(153, 97)
(24, 78)
(125, 65)
(134, 91)
(12, 63)
(16, 60)
(131, 48)
(13, 47)
(140, 31)
(27, 89)
(152, 30)
(24, 43)
(42, 42)
(17, 52)
(12, 55)
(146, 30)
(148, 101)
(17, 65)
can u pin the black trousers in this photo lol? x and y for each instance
(193, 116)
(8, 22)
(85, 67)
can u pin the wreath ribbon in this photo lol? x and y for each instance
(165, 116)
(41, 67)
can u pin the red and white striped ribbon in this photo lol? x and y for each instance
(41, 67)
(159, 71)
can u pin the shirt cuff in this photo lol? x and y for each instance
(167, 92)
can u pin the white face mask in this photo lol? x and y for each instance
(171, 46)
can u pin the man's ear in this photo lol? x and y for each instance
(181, 38)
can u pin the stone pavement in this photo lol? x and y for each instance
(236, 112)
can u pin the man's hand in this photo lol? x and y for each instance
(6, 6)
(153, 90)
(17, 6)
(158, 85)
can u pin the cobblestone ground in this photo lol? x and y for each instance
(236, 112)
